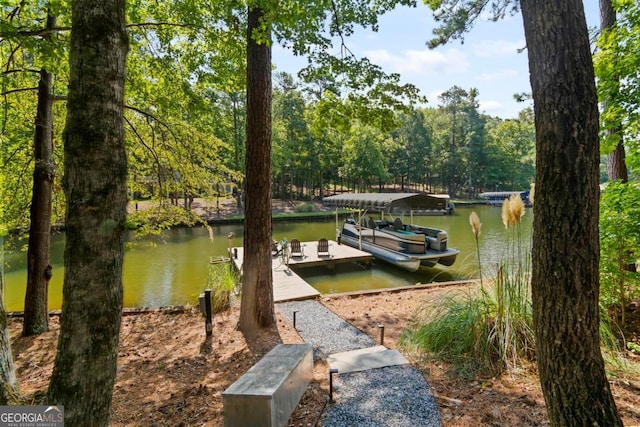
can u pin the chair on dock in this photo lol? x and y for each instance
(323, 247)
(296, 248)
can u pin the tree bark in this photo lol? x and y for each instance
(39, 270)
(96, 193)
(256, 308)
(8, 381)
(565, 280)
(616, 166)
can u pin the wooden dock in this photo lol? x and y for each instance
(287, 285)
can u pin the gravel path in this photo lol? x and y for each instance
(323, 329)
(394, 396)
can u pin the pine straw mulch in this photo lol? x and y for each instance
(170, 375)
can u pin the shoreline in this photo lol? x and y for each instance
(225, 211)
(182, 308)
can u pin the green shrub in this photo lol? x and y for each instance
(305, 208)
(485, 330)
(222, 281)
(619, 245)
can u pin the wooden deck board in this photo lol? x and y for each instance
(287, 285)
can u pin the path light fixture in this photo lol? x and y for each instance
(204, 300)
(381, 327)
(331, 372)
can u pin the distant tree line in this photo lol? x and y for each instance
(452, 148)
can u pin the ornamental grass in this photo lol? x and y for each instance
(222, 280)
(489, 328)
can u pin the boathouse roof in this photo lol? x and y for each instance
(386, 201)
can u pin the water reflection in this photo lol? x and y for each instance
(172, 268)
(350, 277)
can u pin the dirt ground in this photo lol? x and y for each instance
(169, 374)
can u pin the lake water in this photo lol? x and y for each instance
(172, 268)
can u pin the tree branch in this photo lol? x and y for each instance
(146, 114)
(16, 10)
(55, 30)
(40, 32)
(24, 89)
(336, 18)
(10, 57)
(18, 149)
(28, 70)
(159, 24)
(144, 144)
(151, 116)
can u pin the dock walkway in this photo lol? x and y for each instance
(289, 286)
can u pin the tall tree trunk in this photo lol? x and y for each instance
(565, 280)
(8, 381)
(39, 270)
(256, 308)
(616, 166)
(96, 192)
(236, 145)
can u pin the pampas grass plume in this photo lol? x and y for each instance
(476, 225)
(532, 192)
(516, 206)
(512, 211)
(506, 213)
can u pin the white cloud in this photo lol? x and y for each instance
(420, 62)
(491, 105)
(498, 75)
(433, 97)
(493, 48)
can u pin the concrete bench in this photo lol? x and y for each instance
(267, 394)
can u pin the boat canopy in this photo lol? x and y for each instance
(498, 197)
(388, 201)
(502, 194)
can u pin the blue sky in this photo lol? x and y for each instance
(487, 60)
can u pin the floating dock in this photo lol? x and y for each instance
(287, 285)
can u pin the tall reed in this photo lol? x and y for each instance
(511, 331)
(491, 329)
(476, 226)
